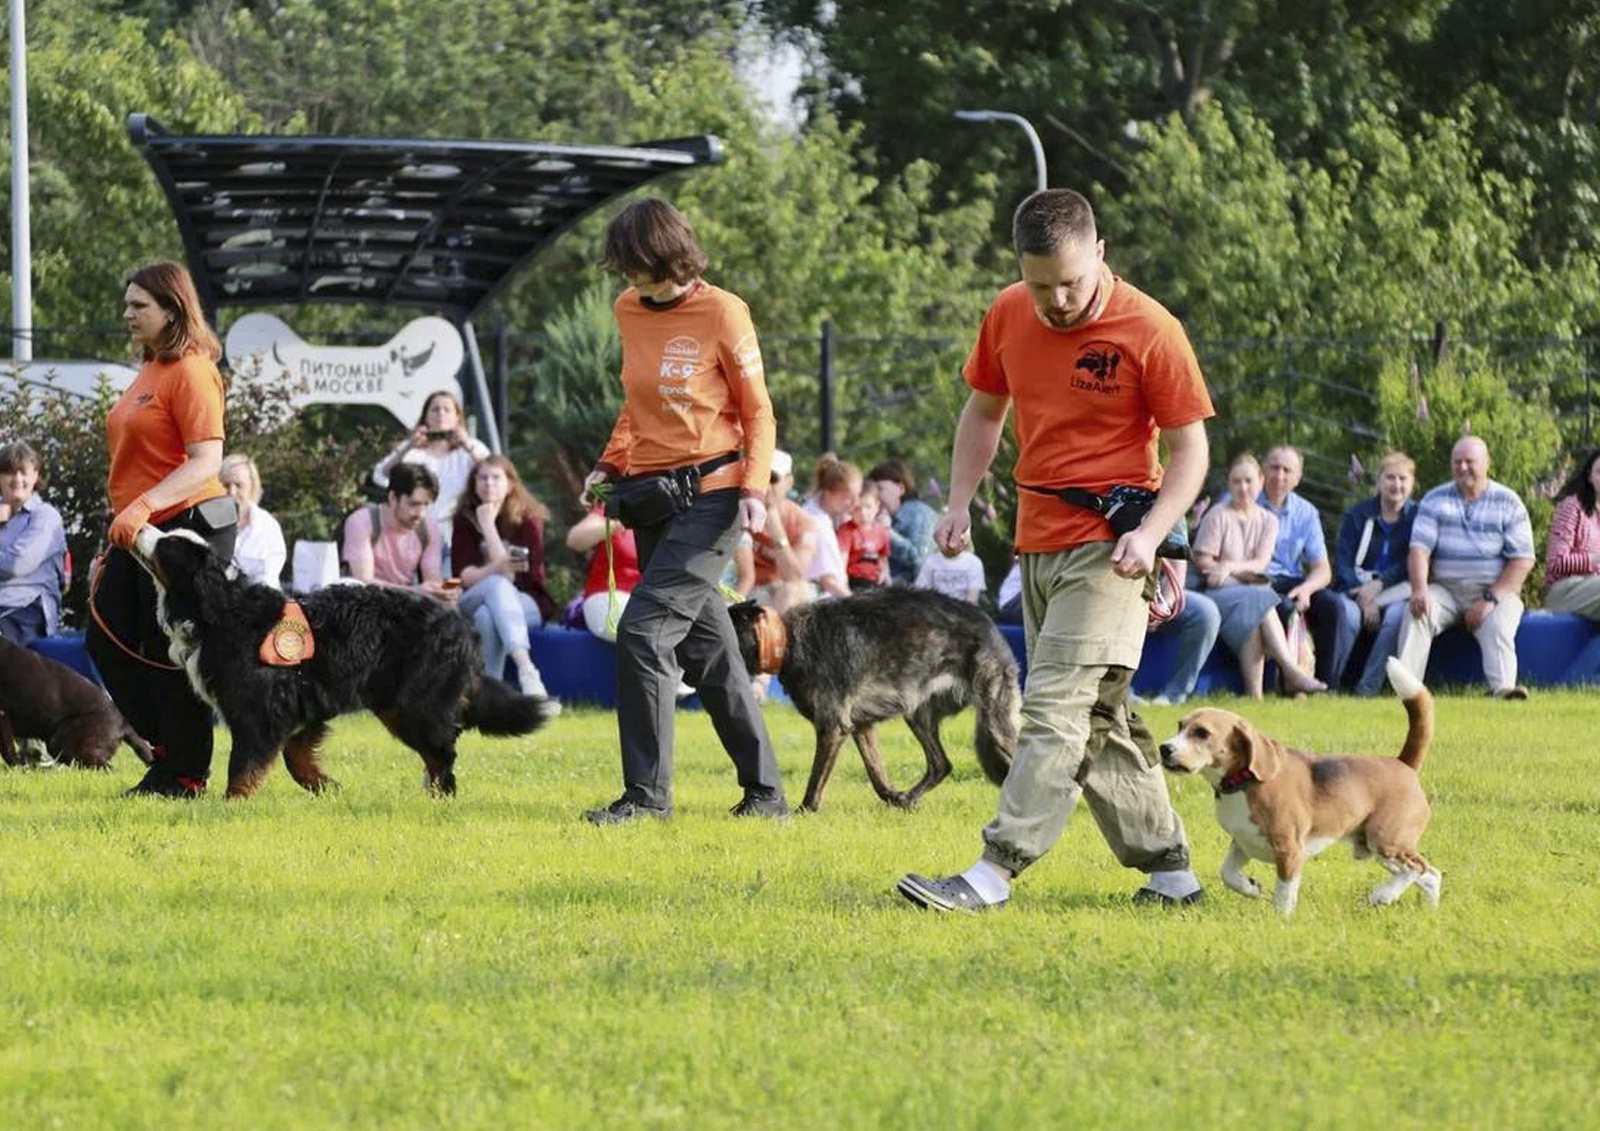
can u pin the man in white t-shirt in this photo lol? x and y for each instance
(960, 576)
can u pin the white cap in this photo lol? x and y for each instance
(782, 463)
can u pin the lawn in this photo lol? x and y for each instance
(375, 958)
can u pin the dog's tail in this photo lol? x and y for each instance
(496, 709)
(1419, 708)
(138, 745)
(999, 707)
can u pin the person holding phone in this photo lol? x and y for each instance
(497, 552)
(165, 433)
(440, 443)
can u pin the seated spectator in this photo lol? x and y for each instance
(911, 520)
(783, 551)
(619, 572)
(865, 543)
(1195, 629)
(740, 573)
(1572, 557)
(1299, 571)
(497, 549)
(1471, 549)
(955, 575)
(396, 542)
(440, 443)
(1369, 569)
(33, 550)
(258, 550)
(1010, 596)
(1232, 550)
(834, 489)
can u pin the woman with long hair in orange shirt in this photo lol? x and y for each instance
(165, 434)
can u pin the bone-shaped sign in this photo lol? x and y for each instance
(422, 358)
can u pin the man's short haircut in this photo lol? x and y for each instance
(1299, 460)
(1397, 459)
(17, 455)
(1050, 220)
(407, 477)
(650, 237)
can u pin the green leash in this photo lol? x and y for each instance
(613, 606)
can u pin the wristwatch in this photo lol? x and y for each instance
(1488, 595)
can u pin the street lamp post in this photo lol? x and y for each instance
(1027, 128)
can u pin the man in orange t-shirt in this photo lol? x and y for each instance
(1098, 373)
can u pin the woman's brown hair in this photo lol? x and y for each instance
(520, 504)
(172, 288)
(650, 237)
(835, 474)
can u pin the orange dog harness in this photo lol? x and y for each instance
(772, 641)
(290, 642)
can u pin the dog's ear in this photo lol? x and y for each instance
(743, 613)
(1254, 751)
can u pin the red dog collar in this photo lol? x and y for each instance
(290, 641)
(1236, 780)
(772, 641)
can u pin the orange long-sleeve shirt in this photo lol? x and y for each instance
(693, 387)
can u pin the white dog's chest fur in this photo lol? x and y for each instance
(1233, 813)
(183, 648)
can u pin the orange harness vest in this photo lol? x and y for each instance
(290, 641)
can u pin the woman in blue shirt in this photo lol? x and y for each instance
(33, 550)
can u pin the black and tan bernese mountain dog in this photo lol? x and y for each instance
(277, 672)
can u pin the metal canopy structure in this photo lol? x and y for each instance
(444, 225)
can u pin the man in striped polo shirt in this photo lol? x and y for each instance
(1471, 549)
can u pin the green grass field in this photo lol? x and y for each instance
(375, 958)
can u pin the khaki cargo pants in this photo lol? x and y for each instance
(1085, 631)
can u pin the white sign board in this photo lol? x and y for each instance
(422, 358)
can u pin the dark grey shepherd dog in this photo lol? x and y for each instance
(407, 658)
(855, 662)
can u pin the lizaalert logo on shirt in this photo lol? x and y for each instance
(748, 355)
(1095, 371)
(679, 359)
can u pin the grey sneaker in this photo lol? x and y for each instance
(621, 811)
(761, 805)
(1150, 897)
(952, 893)
(1515, 691)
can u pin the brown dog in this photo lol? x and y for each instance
(1286, 806)
(40, 698)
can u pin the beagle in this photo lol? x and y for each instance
(1286, 806)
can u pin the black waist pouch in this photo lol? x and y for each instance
(649, 500)
(1124, 507)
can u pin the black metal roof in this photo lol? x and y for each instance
(418, 222)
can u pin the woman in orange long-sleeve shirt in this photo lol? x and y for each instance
(696, 412)
(165, 434)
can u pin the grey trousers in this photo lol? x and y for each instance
(676, 627)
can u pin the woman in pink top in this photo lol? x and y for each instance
(1232, 548)
(1572, 551)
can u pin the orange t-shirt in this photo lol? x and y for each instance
(170, 405)
(796, 527)
(693, 387)
(1090, 402)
